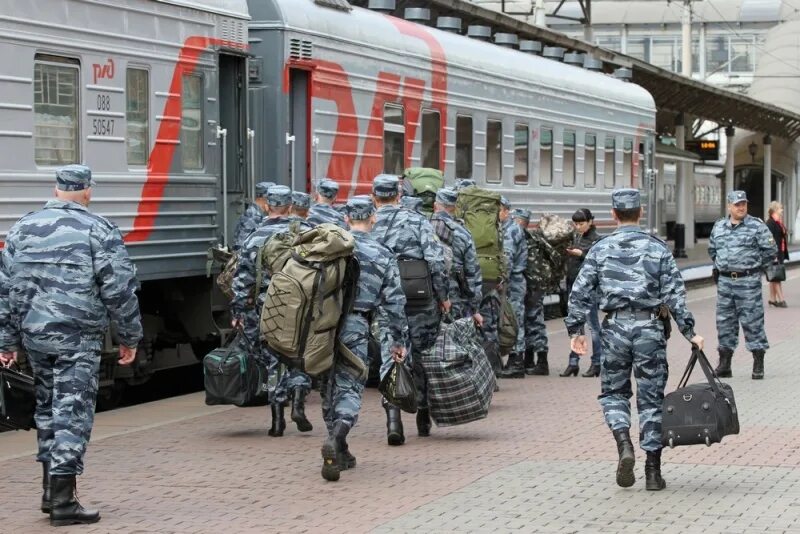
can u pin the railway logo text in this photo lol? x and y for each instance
(103, 70)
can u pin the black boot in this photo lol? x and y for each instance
(66, 510)
(570, 370)
(723, 370)
(423, 422)
(394, 426)
(542, 369)
(652, 471)
(513, 368)
(333, 461)
(45, 487)
(346, 459)
(593, 370)
(627, 458)
(758, 364)
(530, 361)
(299, 411)
(278, 422)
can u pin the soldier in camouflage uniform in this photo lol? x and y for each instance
(379, 295)
(740, 246)
(301, 202)
(409, 235)
(63, 272)
(323, 211)
(252, 217)
(634, 276)
(466, 282)
(246, 309)
(535, 327)
(515, 248)
(411, 203)
(463, 183)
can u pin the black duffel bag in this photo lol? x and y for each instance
(699, 413)
(232, 375)
(17, 400)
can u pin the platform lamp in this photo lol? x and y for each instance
(752, 148)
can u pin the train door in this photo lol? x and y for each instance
(232, 132)
(647, 180)
(297, 139)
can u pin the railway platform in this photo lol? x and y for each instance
(543, 461)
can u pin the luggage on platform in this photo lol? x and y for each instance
(17, 400)
(232, 375)
(699, 413)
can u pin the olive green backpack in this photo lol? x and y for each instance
(480, 211)
(425, 183)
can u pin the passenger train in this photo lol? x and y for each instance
(180, 106)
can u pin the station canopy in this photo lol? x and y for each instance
(672, 92)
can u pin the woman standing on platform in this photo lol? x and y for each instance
(775, 225)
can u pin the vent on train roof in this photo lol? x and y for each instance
(508, 40)
(482, 33)
(531, 47)
(418, 14)
(555, 53)
(623, 74)
(574, 58)
(384, 6)
(234, 31)
(342, 5)
(300, 49)
(592, 63)
(449, 24)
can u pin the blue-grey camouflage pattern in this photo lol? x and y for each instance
(379, 295)
(631, 269)
(63, 272)
(626, 199)
(535, 326)
(251, 219)
(262, 188)
(360, 208)
(279, 195)
(734, 197)
(328, 188)
(301, 200)
(411, 203)
(466, 282)
(74, 177)
(247, 307)
(748, 245)
(386, 186)
(515, 248)
(324, 213)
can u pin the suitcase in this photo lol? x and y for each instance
(232, 376)
(699, 413)
(17, 400)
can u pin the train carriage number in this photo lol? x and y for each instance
(103, 126)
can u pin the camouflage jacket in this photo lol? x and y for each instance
(629, 269)
(466, 281)
(323, 213)
(748, 245)
(251, 219)
(515, 247)
(63, 272)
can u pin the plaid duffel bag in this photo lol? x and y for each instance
(460, 378)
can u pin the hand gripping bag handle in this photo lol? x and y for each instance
(699, 356)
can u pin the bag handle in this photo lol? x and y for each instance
(698, 356)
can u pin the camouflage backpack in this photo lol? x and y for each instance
(229, 262)
(545, 264)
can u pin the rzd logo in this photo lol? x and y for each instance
(103, 70)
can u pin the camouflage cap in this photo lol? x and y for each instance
(505, 203)
(447, 196)
(625, 199)
(385, 185)
(463, 183)
(262, 188)
(279, 195)
(521, 213)
(328, 188)
(74, 178)
(411, 203)
(301, 200)
(360, 208)
(734, 197)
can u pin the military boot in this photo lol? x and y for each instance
(512, 368)
(423, 422)
(627, 458)
(65, 508)
(758, 364)
(346, 459)
(299, 411)
(530, 361)
(394, 426)
(723, 370)
(330, 460)
(652, 471)
(45, 487)
(278, 422)
(542, 368)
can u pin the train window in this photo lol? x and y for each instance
(394, 139)
(137, 106)
(431, 139)
(56, 93)
(521, 153)
(463, 146)
(494, 151)
(610, 164)
(568, 174)
(546, 156)
(627, 162)
(590, 161)
(192, 121)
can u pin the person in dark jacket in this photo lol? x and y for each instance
(775, 225)
(585, 236)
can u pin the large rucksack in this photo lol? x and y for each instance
(545, 264)
(423, 182)
(480, 211)
(307, 298)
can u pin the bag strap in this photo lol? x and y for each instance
(698, 356)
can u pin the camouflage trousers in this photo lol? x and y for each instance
(423, 327)
(460, 308)
(741, 301)
(516, 295)
(535, 328)
(341, 400)
(490, 310)
(66, 392)
(638, 345)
